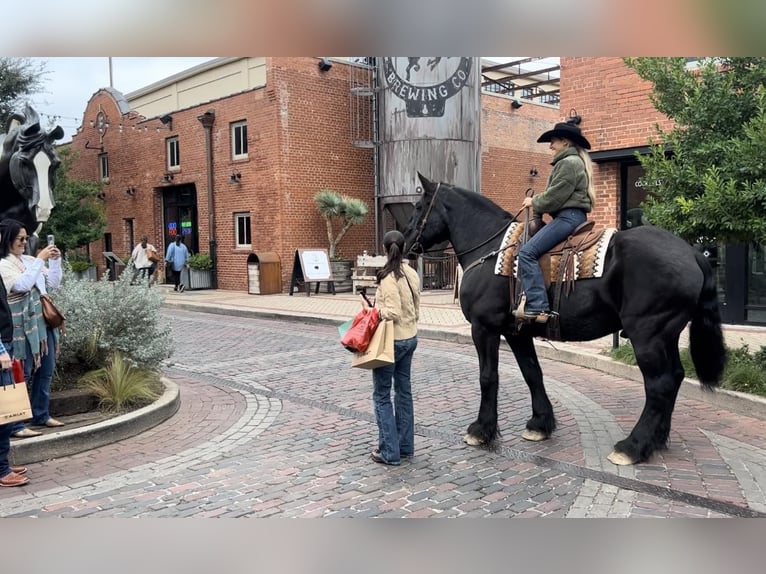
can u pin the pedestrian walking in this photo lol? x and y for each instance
(177, 257)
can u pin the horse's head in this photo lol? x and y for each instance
(30, 160)
(427, 225)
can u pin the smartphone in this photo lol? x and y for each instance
(51, 240)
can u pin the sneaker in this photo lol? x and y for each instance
(181, 288)
(13, 479)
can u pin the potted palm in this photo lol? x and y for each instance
(200, 271)
(345, 211)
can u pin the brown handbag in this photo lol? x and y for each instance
(53, 316)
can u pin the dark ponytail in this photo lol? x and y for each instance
(393, 242)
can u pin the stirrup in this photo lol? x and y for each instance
(533, 317)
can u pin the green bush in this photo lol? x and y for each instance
(104, 317)
(200, 261)
(120, 386)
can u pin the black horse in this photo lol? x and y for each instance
(653, 285)
(28, 164)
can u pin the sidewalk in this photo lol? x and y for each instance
(440, 315)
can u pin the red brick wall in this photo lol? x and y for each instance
(510, 149)
(299, 140)
(616, 112)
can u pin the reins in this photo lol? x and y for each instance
(496, 252)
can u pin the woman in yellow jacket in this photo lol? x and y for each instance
(397, 300)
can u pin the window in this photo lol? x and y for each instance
(242, 230)
(174, 153)
(103, 166)
(239, 140)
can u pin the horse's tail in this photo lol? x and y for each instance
(706, 343)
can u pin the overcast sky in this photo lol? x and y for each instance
(70, 83)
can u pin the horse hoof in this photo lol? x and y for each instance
(533, 435)
(472, 440)
(619, 458)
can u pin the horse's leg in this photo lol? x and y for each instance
(484, 429)
(660, 364)
(542, 423)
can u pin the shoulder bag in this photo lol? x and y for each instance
(53, 316)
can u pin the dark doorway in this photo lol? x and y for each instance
(180, 217)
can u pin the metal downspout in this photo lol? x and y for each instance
(207, 120)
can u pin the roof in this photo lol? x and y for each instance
(527, 78)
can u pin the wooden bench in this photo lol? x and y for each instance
(363, 275)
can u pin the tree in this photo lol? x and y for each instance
(19, 77)
(78, 217)
(709, 170)
(334, 206)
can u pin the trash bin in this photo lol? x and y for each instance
(264, 273)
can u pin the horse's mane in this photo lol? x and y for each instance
(480, 201)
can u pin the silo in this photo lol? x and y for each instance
(429, 118)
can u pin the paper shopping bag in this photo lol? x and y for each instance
(381, 349)
(14, 403)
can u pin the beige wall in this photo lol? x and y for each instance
(205, 83)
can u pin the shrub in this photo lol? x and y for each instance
(104, 317)
(119, 385)
(200, 261)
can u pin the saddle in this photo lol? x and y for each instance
(579, 256)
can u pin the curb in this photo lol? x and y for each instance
(743, 403)
(69, 442)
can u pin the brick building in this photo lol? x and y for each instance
(618, 119)
(279, 131)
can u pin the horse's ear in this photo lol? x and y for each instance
(428, 185)
(56, 134)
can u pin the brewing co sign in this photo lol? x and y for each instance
(421, 97)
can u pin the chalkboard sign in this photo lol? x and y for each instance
(311, 266)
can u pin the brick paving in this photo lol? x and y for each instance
(273, 422)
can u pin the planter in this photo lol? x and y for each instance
(88, 275)
(197, 279)
(341, 275)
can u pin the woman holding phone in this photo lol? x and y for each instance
(34, 341)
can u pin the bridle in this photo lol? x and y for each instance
(422, 226)
(424, 221)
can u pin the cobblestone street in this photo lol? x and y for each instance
(274, 422)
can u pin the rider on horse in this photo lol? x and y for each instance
(568, 198)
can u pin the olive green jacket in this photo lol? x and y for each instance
(567, 185)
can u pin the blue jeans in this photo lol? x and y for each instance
(6, 378)
(40, 387)
(562, 226)
(396, 422)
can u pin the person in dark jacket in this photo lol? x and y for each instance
(9, 475)
(568, 197)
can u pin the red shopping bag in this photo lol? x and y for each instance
(358, 337)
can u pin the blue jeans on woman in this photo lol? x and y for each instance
(396, 422)
(40, 387)
(562, 226)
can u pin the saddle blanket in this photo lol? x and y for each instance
(588, 263)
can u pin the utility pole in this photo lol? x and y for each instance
(111, 84)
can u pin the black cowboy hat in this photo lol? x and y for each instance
(568, 131)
